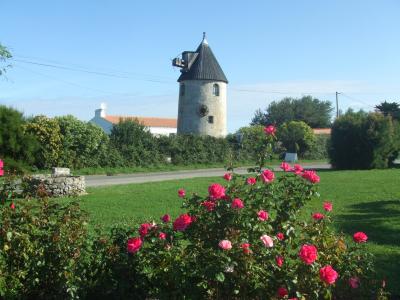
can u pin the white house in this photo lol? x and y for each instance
(157, 126)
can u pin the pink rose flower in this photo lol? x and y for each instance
(251, 181)
(262, 215)
(181, 193)
(237, 203)
(267, 240)
(134, 244)
(270, 130)
(267, 176)
(360, 237)
(297, 169)
(1, 168)
(282, 292)
(318, 216)
(228, 176)
(12, 205)
(246, 248)
(216, 191)
(209, 205)
(162, 236)
(311, 176)
(182, 222)
(144, 229)
(328, 206)
(166, 218)
(279, 261)
(285, 166)
(280, 236)
(225, 245)
(308, 254)
(354, 282)
(328, 275)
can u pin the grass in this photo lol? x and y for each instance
(366, 201)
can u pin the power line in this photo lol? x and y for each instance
(69, 82)
(88, 71)
(91, 68)
(357, 100)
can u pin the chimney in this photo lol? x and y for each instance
(101, 112)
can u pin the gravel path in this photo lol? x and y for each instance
(101, 180)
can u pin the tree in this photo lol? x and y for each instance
(296, 137)
(312, 111)
(15, 143)
(389, 109)
(4, 56)
(47, 132)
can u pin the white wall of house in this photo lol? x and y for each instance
(99, 120)
(162, 130)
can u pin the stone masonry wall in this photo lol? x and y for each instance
(59, 186)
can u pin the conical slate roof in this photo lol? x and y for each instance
(204, 67)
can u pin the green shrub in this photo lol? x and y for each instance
(135, 143)
(83, 144)
(363, 141)
(296, 137)
(191, 149)
(47, 133)
(319, 149)
(43, 248)
(15, 143)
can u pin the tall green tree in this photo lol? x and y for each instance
(4, 56)
(312, 111)
(15, 142)
(389, 109)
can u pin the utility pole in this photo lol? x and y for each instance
(337, 105)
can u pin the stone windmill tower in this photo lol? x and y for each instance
(202, 93)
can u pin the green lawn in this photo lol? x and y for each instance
(366, 201)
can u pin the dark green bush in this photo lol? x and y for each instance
(135, 143)
(363, 141)
(192, 149)
(15, 143)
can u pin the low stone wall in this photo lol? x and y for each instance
(54, 186)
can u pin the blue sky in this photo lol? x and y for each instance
(267, 49)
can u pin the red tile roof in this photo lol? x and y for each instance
(322, 130)
(146, 121)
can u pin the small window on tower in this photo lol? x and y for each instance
(182, 89)
(211, 119)
(216, 90)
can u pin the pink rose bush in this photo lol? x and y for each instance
(244, 240)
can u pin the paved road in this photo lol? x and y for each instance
(100, 180)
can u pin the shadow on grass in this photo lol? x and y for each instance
(379, 219)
